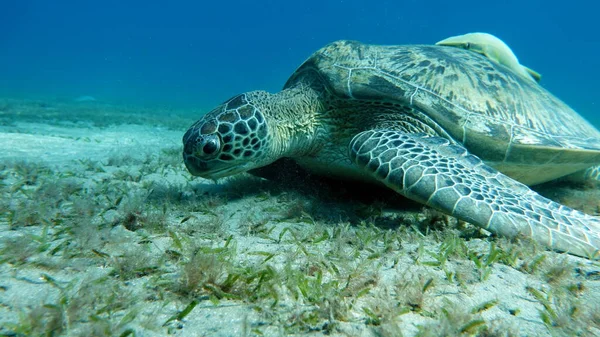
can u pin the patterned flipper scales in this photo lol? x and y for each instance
(592, 174)
(444, 176)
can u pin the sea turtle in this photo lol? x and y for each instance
(494, 49)
(417, 119)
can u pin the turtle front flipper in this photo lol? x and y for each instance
(445, 176)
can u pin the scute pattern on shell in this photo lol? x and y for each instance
(464, 92)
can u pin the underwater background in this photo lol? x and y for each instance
(103, 231)
(196, 54)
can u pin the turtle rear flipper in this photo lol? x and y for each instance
(435, 172)
(591, 176)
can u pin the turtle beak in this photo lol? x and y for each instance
(203, 169)
(225, 172)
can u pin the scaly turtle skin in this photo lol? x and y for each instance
(416, 119)
(494, 49)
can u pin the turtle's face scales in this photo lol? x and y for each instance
(230, 139)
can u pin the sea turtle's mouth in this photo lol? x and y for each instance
(214, 169)
(224, 171)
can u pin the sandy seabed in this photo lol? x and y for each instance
(104, 233)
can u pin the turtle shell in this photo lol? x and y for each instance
(513, 124)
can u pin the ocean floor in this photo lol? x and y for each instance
(104, 233)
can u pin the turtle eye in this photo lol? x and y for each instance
(208, 146)
(211, 146)
(468, 45)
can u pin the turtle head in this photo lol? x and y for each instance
(230, 139)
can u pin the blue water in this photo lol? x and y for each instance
(198, 53)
